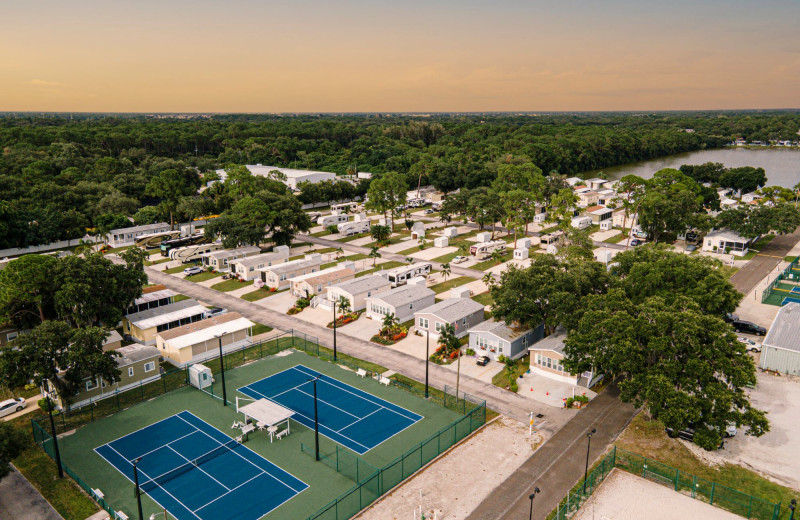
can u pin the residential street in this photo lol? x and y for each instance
(765, 261)
(559, 463)
(505, 402)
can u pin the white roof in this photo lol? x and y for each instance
(264, 171)
(167, 317)
(199, 336)
(266, 412)
(727, 234)
(323, 272)
(154, 296)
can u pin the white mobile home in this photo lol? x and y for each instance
(248, 268)
(461, 313)
(354, 228)
(200, 341)
(127, 236)
(356, 291)
(221, 260)
(345, 207)
(485, 250)
(494, 338)
(581, 222)
(549, 239)
(314, 284)
(400, 275)
(403, 302)
(277, 276)
(332, 220)
(726, 241)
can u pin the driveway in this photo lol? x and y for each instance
(363, 328)
(549, 391)
(746, 278)
(32, 405)
(471, 369)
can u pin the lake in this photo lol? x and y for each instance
(782, 165)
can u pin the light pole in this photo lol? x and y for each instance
(138, 491)
(56, 451)
(792, 505)
(222, 371)
(316, 419)
(532, 496)
(427, 359)
(588, 445)
(334, 331)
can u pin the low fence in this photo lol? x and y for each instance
(791, 272)
(344, 462)
(721, 496)
(374, 486)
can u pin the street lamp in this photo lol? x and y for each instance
(222, 369)
(316, 418)
(138, 491)
(334, 331)
(56, 451)
(792, 505)
(427, 359)
(588, 445)
(531, 496)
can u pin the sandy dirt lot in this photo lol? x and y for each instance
(453, 486)
(623, 496)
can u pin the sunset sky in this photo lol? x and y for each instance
(402, 55)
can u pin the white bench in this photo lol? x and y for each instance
(97, 493)
(385, 381)
(361, 372)
(121, 515)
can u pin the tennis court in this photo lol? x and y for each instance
(349, 416)
(196, 471)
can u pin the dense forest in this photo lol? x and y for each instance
(61, 176)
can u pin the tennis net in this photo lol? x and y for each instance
(183, 468)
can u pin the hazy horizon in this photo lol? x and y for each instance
(308, 56)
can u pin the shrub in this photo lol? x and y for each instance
(470, 352)
(302, 303)
(293, 310)
(332, 228)
(501, 358)
(513, 386)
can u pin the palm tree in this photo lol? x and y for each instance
(374, 254)
(344, 305)
(497, 256)
(410, 260)
(488, 279)
(84, 247)
(389, 323)
(446, 271)
(796, 193)
(448, 339)
(339, 252)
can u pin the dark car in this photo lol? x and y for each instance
(636, 242)
(729, 318)
(482, 361)
(748, 327)
(691, 236)
(215, 311)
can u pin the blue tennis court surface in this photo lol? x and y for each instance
(347, 415)
(195, 471)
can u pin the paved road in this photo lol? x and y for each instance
(746, 278)
(461, 271)
(19, 500)
(559, 463)
(507, 403)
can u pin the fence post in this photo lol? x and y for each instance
(644, 468)
(677, 478)
(713, 484)
(141, 391)
(750, 507)
(614, 460)
(694, 486)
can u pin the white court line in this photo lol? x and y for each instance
(157, 484)
(201, 469)
(360, 396)
(143, 428)
(246, 459)
(352, 423)
(367, 448)
(167, 445)
(329, 404)
(231, 490)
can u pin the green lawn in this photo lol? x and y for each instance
(381, 267)
(616, 239)
(202, 277)
(414, 249)
(229, 285)
(354, 237)
(755, 248)
(449, 284)
(484, 298)
(790, 259)
(179, 298)
(177, 269)
(486, 264)
(258, 294)
(261, 329)
(322, 233)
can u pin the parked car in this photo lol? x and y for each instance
(636, 242)
(750, 345)
(459, 259)
(691, 236)
(748, 327)
(482, 361)
(214, 311)
(189, 271)
(10, 406)
(730, 317)
(687, 434)
(429, 211)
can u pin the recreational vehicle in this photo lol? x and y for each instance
(168, 245)
(328, 220)
(354, 228)
(485, 250)
(153, 240)
(345, 207)
(554, 239)
(400, 275)
(194, 252)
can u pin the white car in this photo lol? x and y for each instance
(749, 344)
(459, 259)
(10, 406)
(189, 271)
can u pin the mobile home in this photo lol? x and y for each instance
(277, 276)
(400, 275)
(127, 236)
(354, 228)
(248, 268)
(485, 250)
(549, 239)
(328, 220)
(345, 207)
(221, 260)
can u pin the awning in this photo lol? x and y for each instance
(267, 412)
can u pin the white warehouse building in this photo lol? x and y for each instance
(293, 177)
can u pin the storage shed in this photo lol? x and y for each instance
(780, 350)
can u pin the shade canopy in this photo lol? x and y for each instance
(267, 412)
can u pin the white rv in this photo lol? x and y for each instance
(195, 252)
(354, 228)
(400, 275)
(485, 250)
(154, 240)
(581, 222)
(553, 239)
(345, 207)
(335, 220)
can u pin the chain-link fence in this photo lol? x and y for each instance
(344, 462)
(710, 492)
(395, 472)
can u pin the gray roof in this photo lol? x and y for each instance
(134, 353)
(453, 309)
(500, 329)
(554, 342)
(227, 253)
(293, 265)
(404, 295)
(785, 330)
(158, 311)
(363, 284)
(113, 336)
(249, 261)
